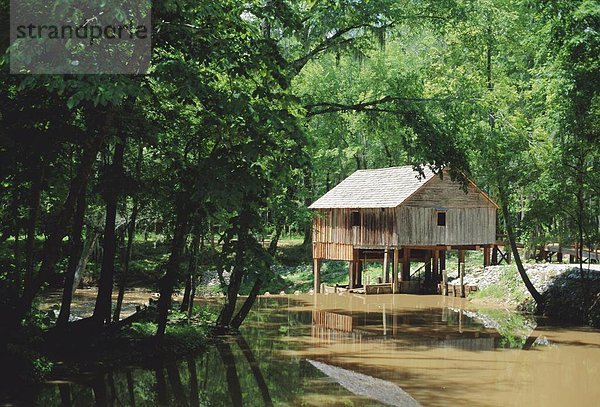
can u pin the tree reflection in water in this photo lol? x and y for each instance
(219, 376)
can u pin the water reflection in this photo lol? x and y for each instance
(293, 351)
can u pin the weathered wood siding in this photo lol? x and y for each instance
(470, 217)
(444, 193)
(332, 251)
(377, 228)
(464, 226)
(334, 237)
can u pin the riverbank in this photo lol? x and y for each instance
(561, 285)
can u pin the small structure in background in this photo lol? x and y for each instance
(397, 216)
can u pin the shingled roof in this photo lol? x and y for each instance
(380, 188)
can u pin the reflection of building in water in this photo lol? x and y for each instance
(339, 322)
(450, 329)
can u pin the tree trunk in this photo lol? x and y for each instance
(88, 247)
(190, 309)
(580, 241)
(128, 251)
(243, 312)
(76, 249)
(34, 210)
(167, 282)
(235, 280)
(130, 238)
(539, 300)
(191, 272)
(272, 250)
(308, 190)
(16, 280)
(105, 286)
(51, 249)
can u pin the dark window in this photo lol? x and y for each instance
(441, 218)
(355, 218)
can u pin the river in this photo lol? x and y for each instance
(365, 351)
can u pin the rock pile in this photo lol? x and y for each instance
(542, 275)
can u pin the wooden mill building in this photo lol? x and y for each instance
(398, 216)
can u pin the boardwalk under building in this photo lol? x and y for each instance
(397, 216)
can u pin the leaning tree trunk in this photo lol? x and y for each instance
(76, 249)
(88, 247)
(245, 309)
(167, 282)
(539, 300)
(235, 279)
(105, 287)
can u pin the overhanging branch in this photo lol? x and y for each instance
(373, 105)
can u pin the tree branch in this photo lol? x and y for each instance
(372, 106)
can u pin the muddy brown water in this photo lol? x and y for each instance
(360, 350)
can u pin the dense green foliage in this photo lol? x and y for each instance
(252, 109)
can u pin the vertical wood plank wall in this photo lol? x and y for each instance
(470, 220)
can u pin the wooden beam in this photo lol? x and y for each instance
(317, 275)
(461, 260)
(436, 265)
(465, 247)
(395, 273)
(386, 269)
(444, 282)
(486, 256)
(406, 264)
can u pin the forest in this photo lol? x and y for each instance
(251, 110)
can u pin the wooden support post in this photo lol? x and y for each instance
(436, 266)
(386, 269)
(461, 260)
(351, 269)
(444, 282)
(443, 260)
(559, 256)
(317, 275)
(495, 255)
(508, 253)
(359, 266)
(486, 256)
(461, 269)
(395, 271)
(405, 264)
